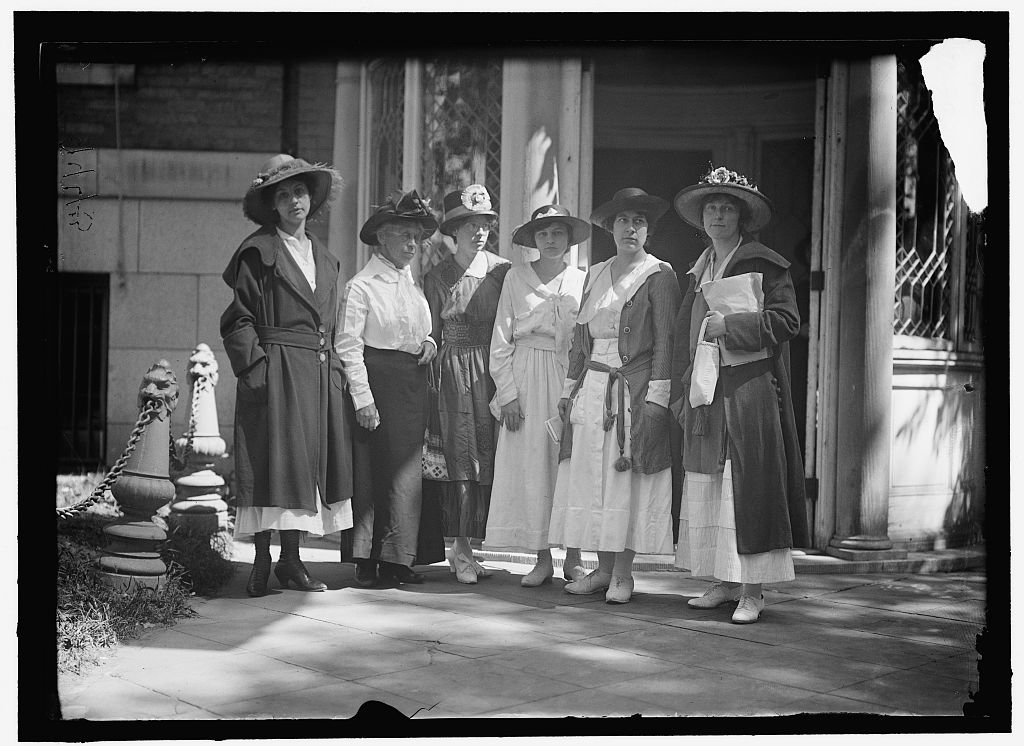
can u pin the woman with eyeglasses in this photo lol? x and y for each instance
(614, 488)
(463, 291)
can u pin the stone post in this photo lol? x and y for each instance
(868, 266)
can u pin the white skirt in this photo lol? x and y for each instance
(526, 461)
(707, 535)
(596, 507)
(326, 519)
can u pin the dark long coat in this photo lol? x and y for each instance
(291, 432)
(751, 418)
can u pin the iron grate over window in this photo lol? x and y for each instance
(387, 118)
(82, 313)
(974, 278)
(461, 132)
(926, 215)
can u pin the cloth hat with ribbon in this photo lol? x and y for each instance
(579, 230)
(630, 198)
(324, 182)
(399, 207)
(463, 203)
(723, 181)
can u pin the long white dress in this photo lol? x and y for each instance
(528, 360)
(596, 507)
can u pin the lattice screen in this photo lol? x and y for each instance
(974, 278)
(461, 135)
(927, 204)
(387, 118)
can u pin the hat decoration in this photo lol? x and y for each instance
(524, 235)
(324, 185)
(723, 181)
(473, 200)
(399, 206)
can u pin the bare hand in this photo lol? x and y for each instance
(427, 353)
(512, 415)
(368, 417)
(563, 405)
(716, 325)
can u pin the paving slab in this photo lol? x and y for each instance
(342, 699)
(583, 664)
(113, 698)
(922, 695)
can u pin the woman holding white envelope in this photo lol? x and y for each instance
(743, 494)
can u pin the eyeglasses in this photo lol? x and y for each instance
(408, 235)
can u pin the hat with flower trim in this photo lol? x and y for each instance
(323, 181)
(723, 181)
(463, 203)
(524, 235)
(399, 207)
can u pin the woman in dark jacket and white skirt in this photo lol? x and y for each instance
(743, 493)
(293, 453)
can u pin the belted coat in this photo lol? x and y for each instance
(291, 432)
(751, 417)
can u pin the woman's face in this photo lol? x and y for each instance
(399, 241)
(552, 240)
(721, 218)
(291, 202)
(471, 235)
(629, 229)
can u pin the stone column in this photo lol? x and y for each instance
(343, 235)
(540, 141)
(868, 267)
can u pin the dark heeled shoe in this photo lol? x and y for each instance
(366, 573)
(257, 585)
(289, 567)
(396, 573)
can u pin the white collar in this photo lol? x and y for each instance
(478, 267)
(386, 270)
(302, 244)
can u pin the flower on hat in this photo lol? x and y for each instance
(257, 181)
(722, 175)
(475, 197)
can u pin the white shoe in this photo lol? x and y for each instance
(592, 583)
(462, 567)
(481, 571)
(539, 575)
(716, 595)
(573, 574)
(748, 610)
(620, 590)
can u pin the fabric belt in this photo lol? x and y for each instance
(279, 335)
(467, 333)
(536, 342)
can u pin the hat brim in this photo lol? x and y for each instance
(459, 214)
(324, 180)
(368, 233)
(653, 207)
(687, 204)
(525, 235)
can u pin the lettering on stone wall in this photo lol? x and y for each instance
(73, 170)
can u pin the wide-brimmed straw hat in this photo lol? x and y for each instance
(524, 235)
(723, 181)
(399, 207)
(630, 198)
(323, 181)
(463, 203)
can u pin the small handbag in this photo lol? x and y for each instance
(435, 467)
(704, 378)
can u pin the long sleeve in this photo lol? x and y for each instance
(778, 322)
(349, 344)
(238, 322)
(503, 346)
(664, 307)
(435, 294)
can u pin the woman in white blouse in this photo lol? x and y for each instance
(384, 342)
(529, 359)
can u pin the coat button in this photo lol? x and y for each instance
(321, 328)
(629, 304)
(322, 357)
(626, 330)
(322, 340)
(625, 358)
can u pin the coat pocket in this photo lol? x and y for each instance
(252, 385)
(338, 378)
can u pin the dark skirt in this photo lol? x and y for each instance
(387, 472)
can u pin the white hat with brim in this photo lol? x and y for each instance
(524, 235)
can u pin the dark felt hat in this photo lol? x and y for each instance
(723, 181)
(579, 230)
(463, 203)
(630, 198)
(323, 181)
(399, 207)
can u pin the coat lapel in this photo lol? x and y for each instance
(326, 273)
(289, 271)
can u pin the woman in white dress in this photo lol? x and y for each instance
(529, 358)
(614, 488)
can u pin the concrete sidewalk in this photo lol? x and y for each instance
(842, 642)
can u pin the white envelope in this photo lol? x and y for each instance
(736, 294)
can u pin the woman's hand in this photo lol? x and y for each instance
(716, 325)
(563, 405)
(427, 353)
(512, 415)
(368, 417)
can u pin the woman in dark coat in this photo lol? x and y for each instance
(463, 291)
(743, 493)
(293, 454)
